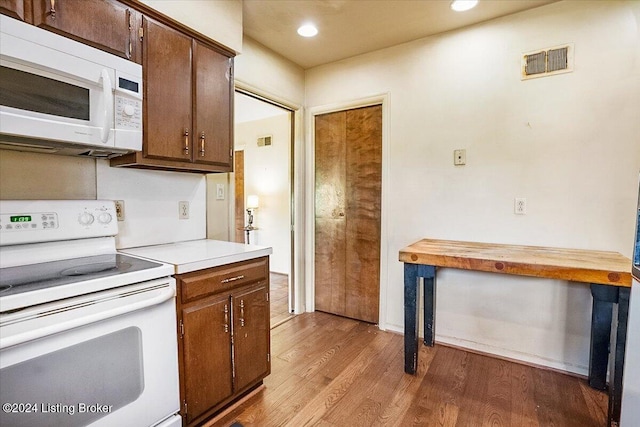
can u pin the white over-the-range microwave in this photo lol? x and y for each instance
(63, 97)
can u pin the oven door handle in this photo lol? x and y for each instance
(165, 294)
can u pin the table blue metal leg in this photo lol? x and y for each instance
(601, 314)
(410, 318)
(615, 388)
(412, 273)
(428, 272)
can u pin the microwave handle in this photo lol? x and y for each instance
(108, 105)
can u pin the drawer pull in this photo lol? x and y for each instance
(226, 318)
(233, 279)
(52, 10)
(186, 141)
(202, 142)
(241, 312)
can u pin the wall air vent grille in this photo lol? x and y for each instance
(547, 62)
(264, 141)
(536, 63)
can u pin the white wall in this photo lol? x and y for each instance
(569, 144)
(265, 73)
(220, 20)
(219, 221)
(151, 204)
(267, 175)
(269, 74)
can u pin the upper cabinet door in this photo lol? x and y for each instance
(13, 8)
(213, 75)
(167, 93)
(105, 24)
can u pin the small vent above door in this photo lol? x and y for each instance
(264, 141)
(547, 62)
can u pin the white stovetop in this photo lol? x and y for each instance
(199, 254)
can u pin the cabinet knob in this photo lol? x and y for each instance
(186, 141)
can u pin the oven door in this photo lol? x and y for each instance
(104, 359)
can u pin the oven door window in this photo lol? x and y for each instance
(31, 92)
(59, 388)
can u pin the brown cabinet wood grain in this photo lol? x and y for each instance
(105, 24)
(167, 92)
(188, 103)
(348, 152)
(207, 369)
(224, 335)
(19, 9)
(213, 107)
(251, 335)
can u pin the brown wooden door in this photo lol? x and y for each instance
(105, 24)
(251, 335)
(239, 196)
(213, 107)
(13, 8)
(348, 150)
(206, 350)
(167, 93)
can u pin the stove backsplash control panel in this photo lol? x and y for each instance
(32, 221)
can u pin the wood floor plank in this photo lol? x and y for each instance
(360, 408)
(523, 406)
(341, 384)
(334, 372)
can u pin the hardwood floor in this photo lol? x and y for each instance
(332, 371)
(279, 298)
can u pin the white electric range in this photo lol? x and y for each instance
(87, 334)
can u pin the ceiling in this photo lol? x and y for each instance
(351, 27)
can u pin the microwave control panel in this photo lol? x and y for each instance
(128, 113)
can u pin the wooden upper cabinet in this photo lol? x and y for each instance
(213, 107)
(105, 24)
(167, 121)
(16, 9)
(188, 103)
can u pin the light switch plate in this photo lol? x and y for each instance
(219, 191)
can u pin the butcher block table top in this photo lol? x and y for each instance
(579, 265)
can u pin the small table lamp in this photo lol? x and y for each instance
(252, 204)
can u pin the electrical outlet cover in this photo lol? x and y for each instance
(520, 206)
(183, 210)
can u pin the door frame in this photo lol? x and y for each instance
(296, 279)
(310, 183)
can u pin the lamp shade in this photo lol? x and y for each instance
(252, 202)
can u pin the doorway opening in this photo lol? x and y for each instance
(262, 191)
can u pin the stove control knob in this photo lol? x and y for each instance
(86, 218)
(104, 218)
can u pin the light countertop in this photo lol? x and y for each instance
(199, 254)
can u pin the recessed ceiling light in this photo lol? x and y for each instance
(308, 30)
(462, 5)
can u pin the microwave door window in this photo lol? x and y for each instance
(31, 92)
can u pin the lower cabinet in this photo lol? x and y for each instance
(224, 336)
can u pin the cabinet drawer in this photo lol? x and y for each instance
(205, 282)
